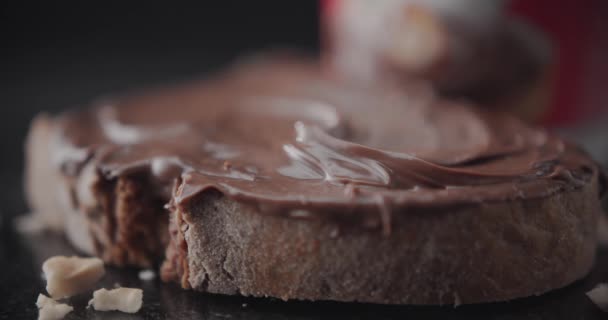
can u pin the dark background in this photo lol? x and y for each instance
(61, 54)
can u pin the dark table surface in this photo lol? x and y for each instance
(20, 277)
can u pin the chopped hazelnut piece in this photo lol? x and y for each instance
(599, 296)
(50, 309)
(127, 300)
(67, 276)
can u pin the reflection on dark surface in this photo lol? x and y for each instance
(21, 258)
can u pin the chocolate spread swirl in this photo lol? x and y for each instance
(287, 139)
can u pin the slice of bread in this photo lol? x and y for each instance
(339, 214)
(470, 254)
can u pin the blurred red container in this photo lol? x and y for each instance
(578, 30)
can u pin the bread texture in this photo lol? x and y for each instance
(473, 254)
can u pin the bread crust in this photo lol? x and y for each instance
(472, 254)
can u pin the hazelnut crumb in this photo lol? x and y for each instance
(127, 300)
(50, 309)
(599, 296)
(67, 276)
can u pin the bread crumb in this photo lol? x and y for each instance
(50, 309)
(127, 300)
(67, 276)
(599, 296)
(147, 275)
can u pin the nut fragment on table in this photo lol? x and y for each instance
(147, 275)
(50, 309)
(127, 300)
(67, 276)
(599, 296)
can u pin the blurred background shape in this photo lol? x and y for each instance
(542, 60)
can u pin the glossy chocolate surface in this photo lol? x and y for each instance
(285, 138)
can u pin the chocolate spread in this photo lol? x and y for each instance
(287, 139)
